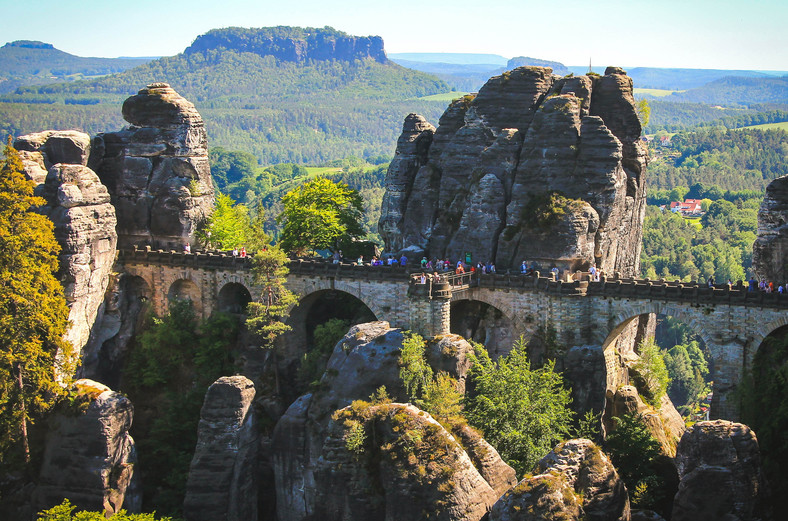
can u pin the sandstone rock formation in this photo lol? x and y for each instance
(665, 423)
(365, 359)
(534, 167)
(79, 206)
(156, 169)
(575, 481)
(222, 478)
(41, 150)
(721, 478)
(771, 247)
(393, 461)
(89, 456)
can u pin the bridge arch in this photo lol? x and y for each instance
(481, 318)
(761, 334)
(186, 289)
(233, 297)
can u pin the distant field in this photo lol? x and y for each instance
(656, 92)
(770, 126)
(444, 96)
(320, 170)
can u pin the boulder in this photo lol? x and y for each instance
(222, 476)
(488, 179)
(57, 146)
(364, 360)
(89, 455)
(79, 206)
(574, 481)
(771, 246)
(664, 423)
(719, 466)
(157, 170)
(394, 461)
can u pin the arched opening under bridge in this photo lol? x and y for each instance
(185, 289)
(233, 298)
(481, 322)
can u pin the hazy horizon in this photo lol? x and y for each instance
(725, 34)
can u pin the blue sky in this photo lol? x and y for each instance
(668, 33)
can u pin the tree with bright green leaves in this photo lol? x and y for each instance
(233, 225)
(523, 412)
(320, 214)
(65, 512)
(650, 373)
(643, 110)
(33, 312)
(267, 317)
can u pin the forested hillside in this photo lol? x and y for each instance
(36, 63)
(279, 110)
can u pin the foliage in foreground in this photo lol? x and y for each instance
(33, 313)
(635, 453)
(175, 361)
(65, 512)
(522, 412)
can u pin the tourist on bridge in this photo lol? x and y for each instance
(753, 284)
(424, 262)
(187, 248)
(337, 256)
(523, 268)
(403, 261)
(235, 251)
(360, 260)
(243, 252)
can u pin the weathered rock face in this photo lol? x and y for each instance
(365, 359)
(534, 167)
(157, 169)
(665, 424)
(771, 247)
(89, 456)
(222, 482)
(389, 475)
(575, 481)
(79, 206)
(56, 146)
(720, 469)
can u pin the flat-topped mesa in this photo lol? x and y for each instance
(534, 167)
(157, 169)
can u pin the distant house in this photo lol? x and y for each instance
(689, 208)
(664, 141)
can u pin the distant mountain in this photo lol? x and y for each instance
(298, 95)
(27, 62)
(456, 58)
(522, 61)
(682, 79)
(737, 90)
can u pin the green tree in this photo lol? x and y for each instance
(320, 214)
(33, 312)
(643, 110)
(522, 412)
(233, 225)
(650, 374)
(267, 317)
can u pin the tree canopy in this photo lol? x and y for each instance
(33, 312)
(320, 214)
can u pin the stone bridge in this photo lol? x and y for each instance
(732, 321)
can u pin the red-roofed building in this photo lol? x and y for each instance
(689, 208)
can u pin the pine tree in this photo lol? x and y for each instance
(33, 311)
(266, 318)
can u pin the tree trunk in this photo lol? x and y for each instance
(23, 411)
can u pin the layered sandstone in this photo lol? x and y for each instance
(157, 169)
(771, 247)
(89, 455)
(533, 167)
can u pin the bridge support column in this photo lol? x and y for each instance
(429, 308)
(728, 368)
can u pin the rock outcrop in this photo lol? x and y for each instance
(157, 169)
(534, 167)
(292, 44)
(771, 247)
(79, 206)
(89, 455)
(222, 478)
(393, 461)
(719, 465)
(42, 150)
(575, 481)
(665, 423)
(302, 442)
